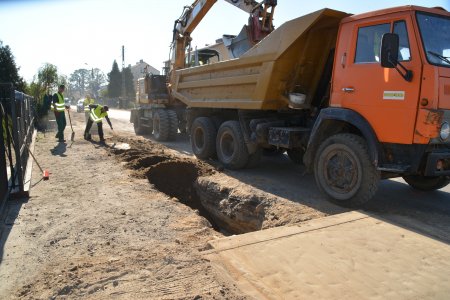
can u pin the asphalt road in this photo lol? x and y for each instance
(395, 201)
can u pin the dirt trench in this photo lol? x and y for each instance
(185, 180)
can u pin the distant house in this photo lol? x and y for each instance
(140, 69)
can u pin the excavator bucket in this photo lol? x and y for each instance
(240, 44)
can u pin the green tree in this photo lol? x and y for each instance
(47, 77)
(129, 85)
(9, 72)
(62, 79)
(97, 79)
(115, 82)
(44, 84)
(79, 82)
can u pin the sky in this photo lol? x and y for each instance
(74, 34)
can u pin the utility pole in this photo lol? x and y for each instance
(124, 88)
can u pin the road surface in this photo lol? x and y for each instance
(345, 256)
(395, 200)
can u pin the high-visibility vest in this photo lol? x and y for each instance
(97, 115)
(87, 103)
(60, 104)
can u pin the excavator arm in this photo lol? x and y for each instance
(193, 14)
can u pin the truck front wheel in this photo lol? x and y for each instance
(203, 138)
(161, 125)
(230, 144)
(344, 172)
(426, 183)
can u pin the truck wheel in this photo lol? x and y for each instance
(203, 138)
(230, 145)
(173, 124)
(296, 155)
(426, 183)
(161, 125)
(344, 172)
(137, 126)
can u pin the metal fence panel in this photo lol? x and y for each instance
(17, 113)
(3, 172)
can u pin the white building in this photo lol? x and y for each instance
(140, 69)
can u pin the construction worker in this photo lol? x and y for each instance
(97, 113)
(87, 101)
(58, 107)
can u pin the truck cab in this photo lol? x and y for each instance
(390, 96)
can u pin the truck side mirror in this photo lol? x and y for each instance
(389, 55)
(389, 50)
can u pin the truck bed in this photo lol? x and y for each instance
(290, 59)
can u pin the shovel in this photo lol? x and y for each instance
(45, 173)
(72, 137)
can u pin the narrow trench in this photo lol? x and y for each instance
(176, 179)
(171, 176)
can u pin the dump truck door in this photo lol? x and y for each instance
(381, 95)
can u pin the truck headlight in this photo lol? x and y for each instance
(445, 131)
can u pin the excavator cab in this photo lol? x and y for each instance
(156, 88)
(202, 57)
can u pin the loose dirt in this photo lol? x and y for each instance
(96, 231)
(128, 221)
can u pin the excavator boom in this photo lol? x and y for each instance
(193, 14)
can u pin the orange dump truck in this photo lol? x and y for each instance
(356, 98)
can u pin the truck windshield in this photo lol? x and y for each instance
(434, 30)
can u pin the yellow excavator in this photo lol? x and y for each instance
(158, 112)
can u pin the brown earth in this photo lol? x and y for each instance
(128, 221)
(95, 231)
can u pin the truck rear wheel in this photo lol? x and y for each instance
(230, 144)
(203, 137)
(426, 183)
(173, 124)
(344, 172)
(161, 125)
(137, 126)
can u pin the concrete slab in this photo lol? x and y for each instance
(346, 256)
